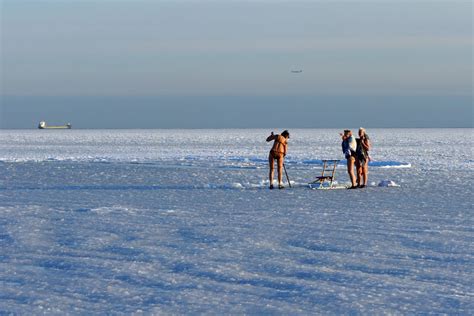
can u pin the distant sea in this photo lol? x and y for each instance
(182, 221)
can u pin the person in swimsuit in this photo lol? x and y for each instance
(278, 153)
(349, 147)
(362, 158)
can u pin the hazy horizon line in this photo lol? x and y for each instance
(232, 128)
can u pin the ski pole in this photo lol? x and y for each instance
(287, 178)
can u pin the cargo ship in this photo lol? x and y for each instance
(43, 125)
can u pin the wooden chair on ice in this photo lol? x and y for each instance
(327, 175)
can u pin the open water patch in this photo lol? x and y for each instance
(219, 162)
(179, 187)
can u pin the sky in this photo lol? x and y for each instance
(218, 64)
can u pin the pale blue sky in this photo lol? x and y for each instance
(366, 49)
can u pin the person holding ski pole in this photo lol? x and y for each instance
(278, 153)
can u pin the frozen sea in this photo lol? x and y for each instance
(182, 222)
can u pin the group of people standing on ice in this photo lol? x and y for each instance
(355, 150)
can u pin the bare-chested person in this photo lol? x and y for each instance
(278, 153)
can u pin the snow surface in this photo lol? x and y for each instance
(181, 221)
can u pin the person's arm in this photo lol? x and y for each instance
(271, 137)
(366, 144)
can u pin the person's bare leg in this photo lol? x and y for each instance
(366, 173)
(350, 170)
(270, 164)
(359, 172)
(280, 169)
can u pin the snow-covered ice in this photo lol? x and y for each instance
(181, 221)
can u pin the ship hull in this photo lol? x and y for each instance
(55, 127)
(43, 125)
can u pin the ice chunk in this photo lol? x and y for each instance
(388, 183)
